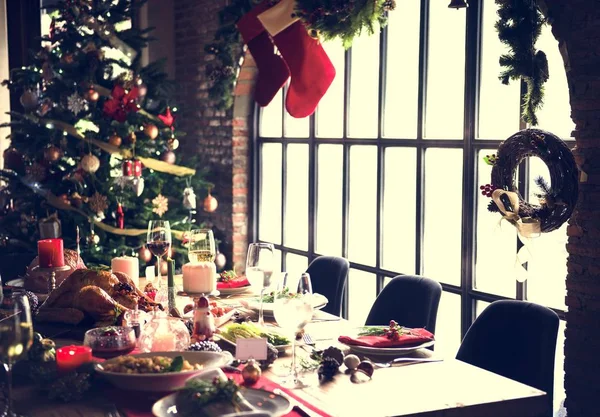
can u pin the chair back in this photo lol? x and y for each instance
(410, 300)
(329, 275)
(515, 339)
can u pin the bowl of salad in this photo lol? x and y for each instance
(247, 330)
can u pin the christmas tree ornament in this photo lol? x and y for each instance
(137, 185)
(160, 205)
(121, 103)
(144, 254)
(168, 119)
(90, 163)
(142, 88)
(67, 59)
(120, 216)
(173, 143)
(93, 239)
(65, 199)
(36, 172)
(351, 361)
(210, 203)
(50, 227)
(220, 261)
(273, 72)
(13, 159)
(92, 95)
(311, 69)
(76, 200)
(251, 372)
(131, 138)
(98, 202)
(115, 140)
(169, 157)
(189, 198)
(151, 131)
(52, 154)
(76, 104)
(45, 107)
(29, 100)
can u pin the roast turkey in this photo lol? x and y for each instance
(100, 295)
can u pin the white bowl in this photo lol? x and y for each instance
(168, 381)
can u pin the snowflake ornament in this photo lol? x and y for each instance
(98, 202)
(160, 205)
(76, 104)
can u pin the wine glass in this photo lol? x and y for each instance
(259, 269)
(16, 337)
(202, 246)
(292, 311)
(159, 242)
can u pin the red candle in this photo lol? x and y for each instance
(69, 358)
(50, 253)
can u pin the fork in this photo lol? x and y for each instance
(405, 360)
(296, 406)
(308, 340)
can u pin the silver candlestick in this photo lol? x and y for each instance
(52, 274)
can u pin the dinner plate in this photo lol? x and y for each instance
(319, 301)
(167, 381)
(219, 321)
(397, 351)
(264, 401)
(231, 291)
(19, 282)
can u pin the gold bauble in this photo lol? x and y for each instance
(132, 138)
(92, 95)
(168, 157)
(173, 143)
(151, 131)
(52, 153)
(93, 239)
(67, 59)
(251, 372)
(210, 203)
(145, 254)
(115, 140)
(90, 163)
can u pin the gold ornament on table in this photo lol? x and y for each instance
(160, 205)
(151, 131)
(115, 140)
(251, 372)
(98, 202)
(52, 153)
(90, 163)
(210, 203)
(36, 172)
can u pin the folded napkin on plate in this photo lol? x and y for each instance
(235, 283)
(407, 338)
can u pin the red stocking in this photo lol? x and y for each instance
(272, 70)
(312, 71)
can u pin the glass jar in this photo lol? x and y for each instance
(164, 334)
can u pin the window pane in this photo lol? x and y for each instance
(329, 200)
(447, 328)
(399, 210)
(555, 115)
(295, 128)
(363, 205)
(295, 265)
(445, 74)
(296, 205)
(499, 109)
(443, 211)
(271, 118)
(330, 112)
(270, 193)
(480, 306)
(277, 266)
(361, 296)
(495, 242)
(402, 81)
(364, 87)
(547, 269)
(559, 368)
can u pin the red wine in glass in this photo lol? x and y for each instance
(158, 248)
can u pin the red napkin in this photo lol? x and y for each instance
(407, 338)
(235, 283)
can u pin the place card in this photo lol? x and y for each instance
(251, 349)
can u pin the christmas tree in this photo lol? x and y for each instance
(93, 150)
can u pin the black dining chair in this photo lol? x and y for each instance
(515, 339)
(410, 300)
(329, 275)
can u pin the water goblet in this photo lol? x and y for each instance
(259, 269)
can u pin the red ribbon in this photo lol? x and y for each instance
(121, 103)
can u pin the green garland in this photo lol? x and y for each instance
(519, 27)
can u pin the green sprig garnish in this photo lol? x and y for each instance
(202, 392)
(285, 293)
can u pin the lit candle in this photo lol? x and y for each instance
(50, 253)
(164, 342)
(69, 358)
(129, 266)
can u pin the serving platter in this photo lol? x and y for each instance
(319, 301)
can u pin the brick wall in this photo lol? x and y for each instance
(221, 138)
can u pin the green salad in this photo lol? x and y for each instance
(285, 293)
(251, 330)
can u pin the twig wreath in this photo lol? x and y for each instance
(557, 199)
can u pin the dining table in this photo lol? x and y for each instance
(443, 387)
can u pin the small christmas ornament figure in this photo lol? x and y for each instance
(204, 321)
(160, 205)
(189, 198)
(210, 203)
(251, 372)
(76, 104)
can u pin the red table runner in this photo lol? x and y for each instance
(139, 404)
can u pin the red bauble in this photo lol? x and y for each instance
(210, 203)
(168, 157)
(13, 159)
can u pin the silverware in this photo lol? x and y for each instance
(307, 339)
(296, 406)
(404, 360)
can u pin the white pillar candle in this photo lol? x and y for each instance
(127, 265)
(164, 342)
